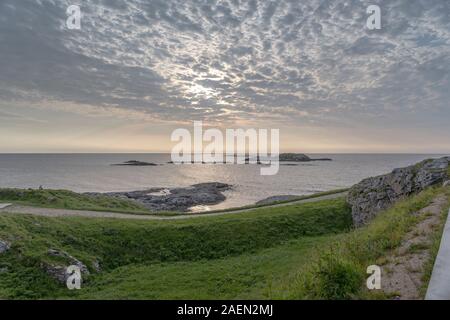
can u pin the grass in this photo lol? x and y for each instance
(338, 272)
(150, 245)
(295, 199)
(247, 276)
(297, 251)
(64, 199)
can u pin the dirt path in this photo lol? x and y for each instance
(402, 275)
(49, 212)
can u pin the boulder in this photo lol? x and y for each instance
(59, 271)
(4, 246)
(375, 194)
(446, 183)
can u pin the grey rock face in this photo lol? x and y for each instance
(372, 195)
(4, 246)
(446, 183)
(59, 271)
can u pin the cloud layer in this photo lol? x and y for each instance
(302, 62)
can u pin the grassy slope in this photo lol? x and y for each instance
(69, 200)
(247, 276)
(295, 252)
(339, 271)
(295, 199)
(330, 267)
(156, 247)
(65, 199)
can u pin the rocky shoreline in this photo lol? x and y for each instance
(176, 199)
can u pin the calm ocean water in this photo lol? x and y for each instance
(93, 172)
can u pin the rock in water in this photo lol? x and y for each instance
(176, 199)
(372, 195)
(298, 157)
(294, 157)
(135, 163)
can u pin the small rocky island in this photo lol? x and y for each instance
(291, 157)
(299, 157)
(176, 199)
(135, 163)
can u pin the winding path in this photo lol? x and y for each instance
(50, 212)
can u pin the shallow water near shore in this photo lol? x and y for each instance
(94, 173)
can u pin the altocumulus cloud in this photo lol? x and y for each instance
(230, 60)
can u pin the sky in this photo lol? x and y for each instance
(139, 69)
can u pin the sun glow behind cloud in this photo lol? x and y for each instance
(310, 68)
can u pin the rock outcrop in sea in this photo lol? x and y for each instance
(375, 194)
(299, 157)
(135, 163)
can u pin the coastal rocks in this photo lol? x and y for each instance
(298, 157)
(177, 199)
(4, 246)
(59, 271)
(135, 163)
(273, 199)
(372, 195)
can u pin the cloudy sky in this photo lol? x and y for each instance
(138, 69)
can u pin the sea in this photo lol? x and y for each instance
(95, 173)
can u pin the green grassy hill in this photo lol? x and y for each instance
(66, 199)
(153, 245)
(292, 252)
